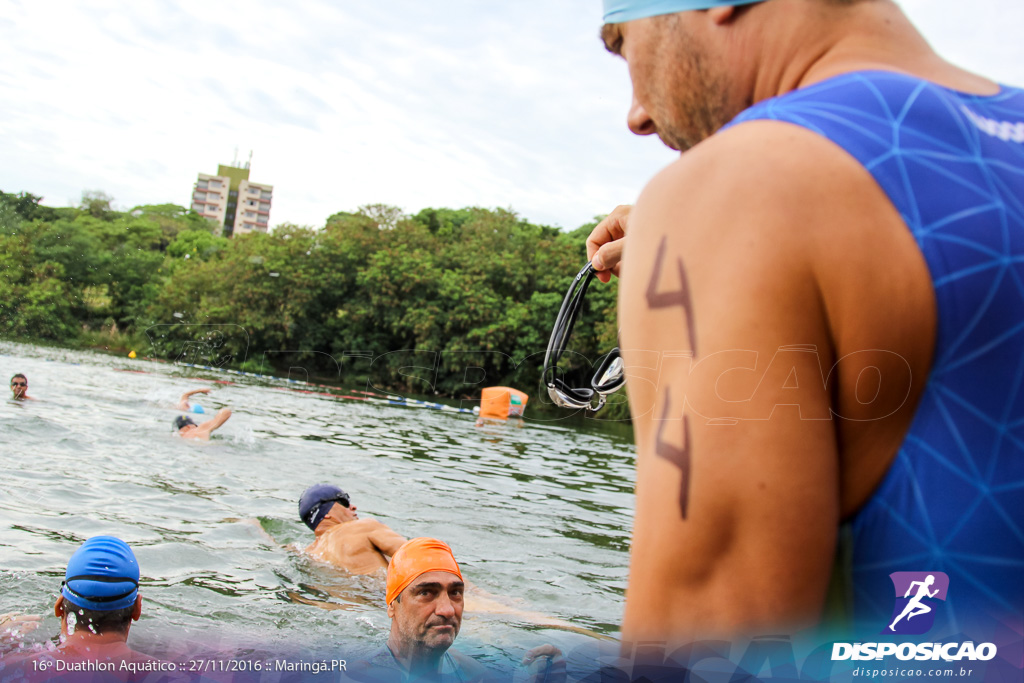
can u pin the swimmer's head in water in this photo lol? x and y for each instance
(182, 421)
(19, 384)
(621, 11)
(317, 501)
(102, 575)
(415, 558)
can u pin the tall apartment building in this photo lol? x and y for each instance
(232, 200)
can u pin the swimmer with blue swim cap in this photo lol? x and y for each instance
(620, 11)
(185, 405)
(685, 56)
(99, 600)
(817, 203)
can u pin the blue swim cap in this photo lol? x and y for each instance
(313, 503)
(102, 575)
(620, 11)
(196, 408)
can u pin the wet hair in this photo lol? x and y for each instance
(21, 376)
(110, 621)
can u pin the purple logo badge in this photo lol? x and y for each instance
(917, 596)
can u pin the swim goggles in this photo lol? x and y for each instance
(341, 499)
(610, 374)
(66, 583)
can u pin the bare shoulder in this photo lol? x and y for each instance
(766, 214)
(781, 178)
(356, 527)
(367, 524)
(471, 669)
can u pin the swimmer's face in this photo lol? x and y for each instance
(428, 613)
(677, 94)
(19, 386)
(341, 513)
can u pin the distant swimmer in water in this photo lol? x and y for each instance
(187, 427)
(183, 403)
(360, 546)
(19, 388)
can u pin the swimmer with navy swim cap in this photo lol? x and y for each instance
(845, 204)
(361, 546)
(187, 428)
(365, 546)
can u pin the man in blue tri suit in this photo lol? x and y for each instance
(822, 311)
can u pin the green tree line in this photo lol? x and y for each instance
(444, 301)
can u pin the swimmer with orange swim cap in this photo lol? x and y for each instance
(425, 599)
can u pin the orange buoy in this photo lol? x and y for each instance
(501, 403)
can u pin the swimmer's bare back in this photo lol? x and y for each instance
(361, 546)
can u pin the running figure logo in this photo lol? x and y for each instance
(912, 615)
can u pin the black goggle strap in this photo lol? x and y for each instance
(66, 583)
(565, 321)
(315, 510)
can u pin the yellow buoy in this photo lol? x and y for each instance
(131, 354)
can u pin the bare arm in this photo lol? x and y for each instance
(386, 540)
(14, 626)
(219, 419)
(737, 466)
(183, 401)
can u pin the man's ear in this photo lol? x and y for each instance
(58, 607)
(137, 608)
(391, 609)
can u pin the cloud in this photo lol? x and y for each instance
(400, 101)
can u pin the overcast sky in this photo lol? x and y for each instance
(413, 103)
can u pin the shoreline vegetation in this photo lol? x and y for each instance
(443, 302)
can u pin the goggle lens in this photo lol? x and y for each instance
(610, 375)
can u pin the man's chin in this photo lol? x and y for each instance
(442, 638)
(665, 140)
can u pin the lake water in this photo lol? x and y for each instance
(538, 513)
